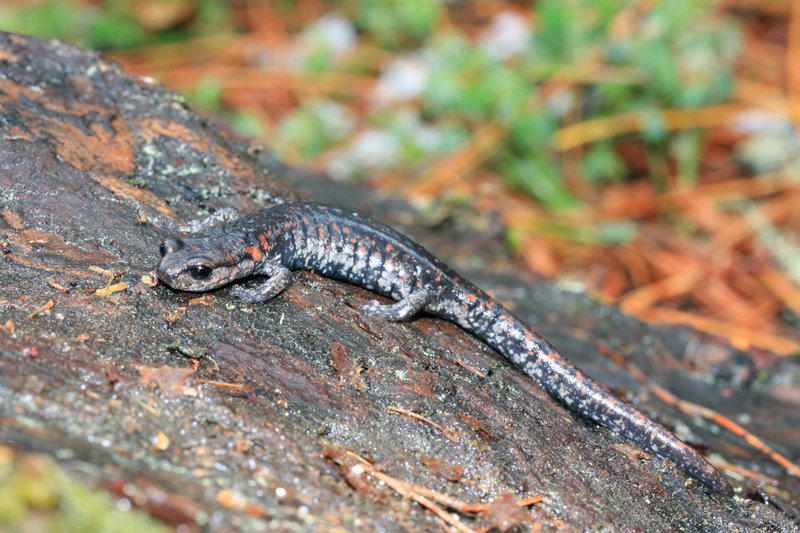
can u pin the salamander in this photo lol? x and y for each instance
(346, 246)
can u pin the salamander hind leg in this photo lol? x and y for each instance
(226, 214)
(400, 311)
(280, 277)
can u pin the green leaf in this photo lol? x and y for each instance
(602, 164)
(539, 178)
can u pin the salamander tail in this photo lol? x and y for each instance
(593, 401)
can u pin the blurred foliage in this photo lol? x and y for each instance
(115, 24)
(570, 61)
(316, 126)
(583, 59)
(37, 495)
(772, 144)
(395, 23)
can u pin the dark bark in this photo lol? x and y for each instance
(92, 163)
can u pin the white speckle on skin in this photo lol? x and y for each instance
(375, 262)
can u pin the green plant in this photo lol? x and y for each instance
(584, 59)
(113, 24)
(394, 23)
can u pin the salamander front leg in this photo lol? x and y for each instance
(226, 214)
(400, 311)
(280, 277)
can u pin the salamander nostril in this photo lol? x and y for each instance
(170, 245)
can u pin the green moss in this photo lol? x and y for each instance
(38, 495)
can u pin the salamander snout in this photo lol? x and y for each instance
(199, 264)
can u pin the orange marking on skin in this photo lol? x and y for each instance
(471, 297)
(389, 248)
(255, 252)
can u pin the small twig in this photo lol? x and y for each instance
(693, 409)
(598, 129)
(57, 286)
(206, 299)
(746, 472)
(447, 432)
(45, 307)
(745, 337)
(108, 290)
(430, 498)
(410, 491)
(224, 385)
(471, 369)
(101, 270)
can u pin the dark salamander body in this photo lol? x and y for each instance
(343, 245)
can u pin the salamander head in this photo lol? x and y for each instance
(203, 263)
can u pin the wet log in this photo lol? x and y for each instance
(300, 413)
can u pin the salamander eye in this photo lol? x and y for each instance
(199, 271)
(162, 250)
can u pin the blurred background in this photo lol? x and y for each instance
(647, 150)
